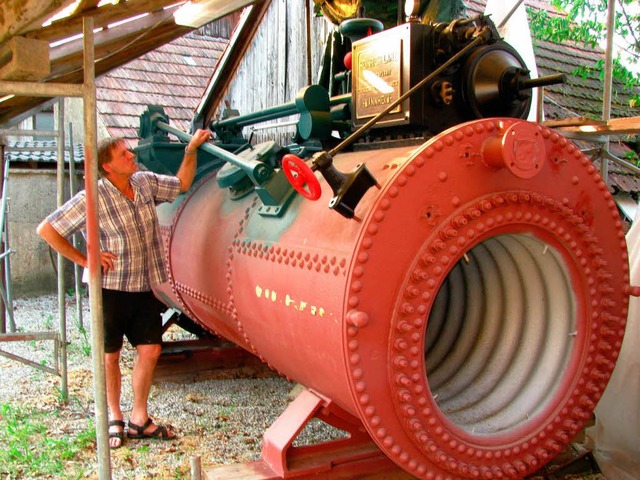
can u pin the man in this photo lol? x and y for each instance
(132, 261)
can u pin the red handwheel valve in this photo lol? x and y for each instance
(301, 177)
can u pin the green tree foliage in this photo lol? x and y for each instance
(585, 23)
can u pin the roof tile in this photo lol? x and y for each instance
(161, 77)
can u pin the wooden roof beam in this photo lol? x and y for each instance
(103, 17)
(73, 73)
(106, 55)
(18, 17)
(110, 36)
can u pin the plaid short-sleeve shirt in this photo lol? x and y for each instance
(128, 229)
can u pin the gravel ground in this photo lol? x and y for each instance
(221, 420)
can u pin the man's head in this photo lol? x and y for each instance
(114, 149)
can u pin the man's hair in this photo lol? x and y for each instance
(105, 148)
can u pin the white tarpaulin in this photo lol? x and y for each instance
(616, 435)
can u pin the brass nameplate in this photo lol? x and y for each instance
(378, 76)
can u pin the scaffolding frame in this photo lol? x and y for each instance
(87, 91)
(6, 295)
(58, 338)
(600, 132)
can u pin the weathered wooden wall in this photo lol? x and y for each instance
(275, 66)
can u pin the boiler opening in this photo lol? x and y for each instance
(500, 334)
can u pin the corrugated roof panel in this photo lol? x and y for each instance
(41, 151)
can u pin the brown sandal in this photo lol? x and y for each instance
(119, 435)
(160, 433)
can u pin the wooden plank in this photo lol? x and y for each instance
(618, 126)
(241, 471)
(378, 468)
(572, 121)
(627, 124)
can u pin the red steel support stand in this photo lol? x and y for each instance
(355, 456)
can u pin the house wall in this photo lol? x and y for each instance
(32, 196)
(275, 66)
(74, 113)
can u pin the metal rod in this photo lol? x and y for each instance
(307, 13)
(272, 113)
(93, 253)
(606, 155)
(4, 229)
(278, 111)
(542, 81)
(77, 271)
(274, 125)
(26, 361)
(540, 105)
(3, 310)
(608, 83)
(208, 147)
(510, 14)
(340, 99)
(355, 135)
(62, 311)
(3, 295)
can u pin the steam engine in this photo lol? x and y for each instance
(462, 306)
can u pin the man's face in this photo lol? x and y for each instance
(122, 161)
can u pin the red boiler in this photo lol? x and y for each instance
(470, 321)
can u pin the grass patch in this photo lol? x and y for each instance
(82, 348)
(30, 451)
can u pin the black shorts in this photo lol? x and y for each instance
(134, 314)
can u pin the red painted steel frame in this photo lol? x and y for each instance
(470, 322)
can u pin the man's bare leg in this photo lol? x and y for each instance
(113, 378)
(141, 382)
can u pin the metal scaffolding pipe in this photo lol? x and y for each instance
(77, 273)
(3, 317)
(608, 83)
(62, 311)
(93, 253)
(5, 291)
(510, 14)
